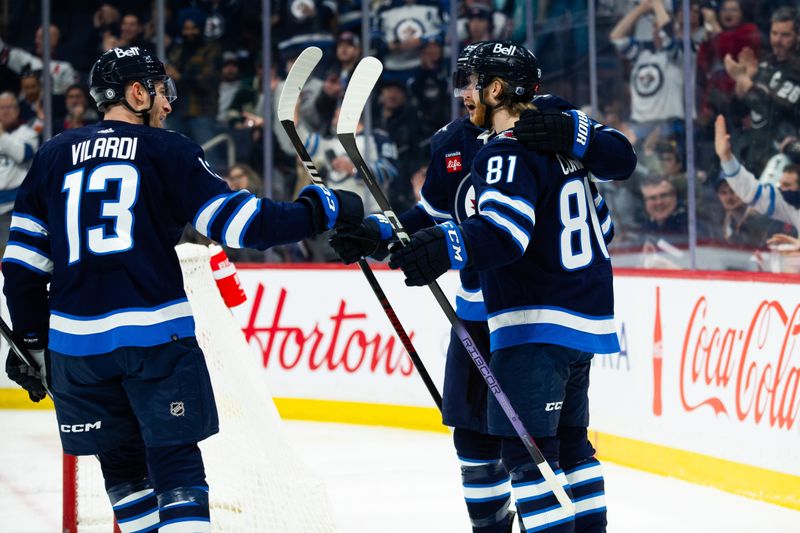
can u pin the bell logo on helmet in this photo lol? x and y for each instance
(130, 52)
(506, 50)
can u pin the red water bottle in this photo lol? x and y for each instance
(226, 277)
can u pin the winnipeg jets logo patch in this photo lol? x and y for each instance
(453, 161)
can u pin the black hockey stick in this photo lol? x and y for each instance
(295, 80)
(21, 352)
(359, 88)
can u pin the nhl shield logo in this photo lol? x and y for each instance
(176, 409)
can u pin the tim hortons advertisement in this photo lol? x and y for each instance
(322, 333)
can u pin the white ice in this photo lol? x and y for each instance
(385, 480)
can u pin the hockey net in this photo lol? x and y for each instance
(256, 481)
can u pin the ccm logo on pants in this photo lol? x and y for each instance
(553, 406)
(80, 428)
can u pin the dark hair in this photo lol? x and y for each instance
(792, 167)
(786, 14)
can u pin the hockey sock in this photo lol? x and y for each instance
(179, 479)
(135, 506)
(128, 486)
(184, 510)
(487, 486)
(585, 475)
(588, 493)
(536, 504)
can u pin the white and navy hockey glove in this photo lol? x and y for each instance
(332, 208)
(430, 253)
(370, 238)
(31, 379)
(563, 132)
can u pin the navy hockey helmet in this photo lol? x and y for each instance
(121, 65)
(483, 61)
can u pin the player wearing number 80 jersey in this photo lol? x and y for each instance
(97, 218)
(537, 243)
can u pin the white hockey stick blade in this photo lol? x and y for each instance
(359, 88)
(295, 81)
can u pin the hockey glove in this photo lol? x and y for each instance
(31, 379)
(371, 238)
(562, 132)
(332, 208)
(430, 253)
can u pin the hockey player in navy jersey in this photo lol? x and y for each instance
(537, 243)
(448, 194)
(97, 218)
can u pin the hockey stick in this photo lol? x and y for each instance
(287, 102)
(20, 351)
(359, 88)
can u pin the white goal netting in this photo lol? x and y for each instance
(257, 484)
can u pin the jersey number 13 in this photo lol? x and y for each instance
(119, 210)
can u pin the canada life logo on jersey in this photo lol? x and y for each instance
(453, 161)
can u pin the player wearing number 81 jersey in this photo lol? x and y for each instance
(537, 244)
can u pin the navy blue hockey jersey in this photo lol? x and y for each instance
(538, 243)
(448, 192)
(98, 217)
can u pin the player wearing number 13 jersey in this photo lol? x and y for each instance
(97, 218)
(537, 243)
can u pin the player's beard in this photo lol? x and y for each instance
(479, 115)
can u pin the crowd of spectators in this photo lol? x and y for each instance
(743, 65)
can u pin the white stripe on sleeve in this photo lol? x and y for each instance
(239, 223)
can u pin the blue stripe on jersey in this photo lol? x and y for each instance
(553, 334)
(122, 336)
(470, 304)
(553, 325)
(73, 335)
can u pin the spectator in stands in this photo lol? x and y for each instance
(225, 23)
(337, 168)
(302, 23)
(714, 84)
(18, 143)
(241, 176)
(656, 80)
(194, 66)
(78, 111)
(171, 30)
(131, 33)
(742, 225)
(790, 179)
(30, 101)
(398, 118)
(429, 90)
(19, 60)
(402, 28)
(229, 85)
(666, 215)
(769, 89)
(327, 95)
(479, 24)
